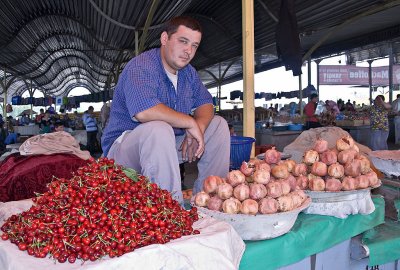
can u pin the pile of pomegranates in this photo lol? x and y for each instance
(340, 168)
(102, 210)
(259, 187)
(274, 185)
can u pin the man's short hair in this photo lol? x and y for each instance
(313, 96)
(171, 26)
(58, 123)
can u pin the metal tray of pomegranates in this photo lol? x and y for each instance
(338, 196)
(260, 226)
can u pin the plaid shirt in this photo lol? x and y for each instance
(144, 84)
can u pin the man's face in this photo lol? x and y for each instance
(179, 49)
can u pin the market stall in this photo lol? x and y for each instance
(311, 234)
(27, 130)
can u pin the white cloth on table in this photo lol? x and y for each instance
(218, 246)
(341, 204)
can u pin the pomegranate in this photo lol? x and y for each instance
(344, 143)
(280, 171)
(247, 169)
(333, 184)
(257, 191)
(225, 191)
(346, 156)
(235, 178)
(249, 207)
(263, 166)
(297, 200)
(268, 205)
(319, 168)
(290, 164)
(310, 157)
(353, 168)
(285, 187)
(285, 203)
(291, 180)
(211, 183)
(201, 199)
(231, 206)
(302, 182)
(316, 184)
(274, 189)
(241, 192)
(372, 178)
(363, 181)
(349, 183)
(214, 203)
(300, 169)
(328, 157)
(320, 145)
(336, 170)
(365, 164)
(301, 193)
(272, 156)
(261, 176)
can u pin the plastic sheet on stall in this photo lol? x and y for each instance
(310, 235)
(340, 204)
(383, 243)
(218, 246)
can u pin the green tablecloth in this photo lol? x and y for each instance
(310, 234)
(383, 242)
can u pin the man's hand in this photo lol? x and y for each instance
(192, 146)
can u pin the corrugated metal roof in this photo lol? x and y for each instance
(61, 44)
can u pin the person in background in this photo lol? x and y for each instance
(341, 105)
(76, 123)
(349, 107)
(309, 111)
(396, 110)
(39, 117)
(271, 108)
(231, 130)
(11, 135)
(276, 107)
(24, 121)
(3, 136)
(91, 130)
(379, 123)
(58, 126)
(151, 129)
(45, 127)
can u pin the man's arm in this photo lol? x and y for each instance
(176, 119)
(203, 116)
(164, 113)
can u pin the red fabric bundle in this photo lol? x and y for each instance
(22, 176)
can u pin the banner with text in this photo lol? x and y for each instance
(352, 75)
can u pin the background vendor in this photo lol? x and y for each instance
(379, 123)
(309, 110)
(151, 128)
